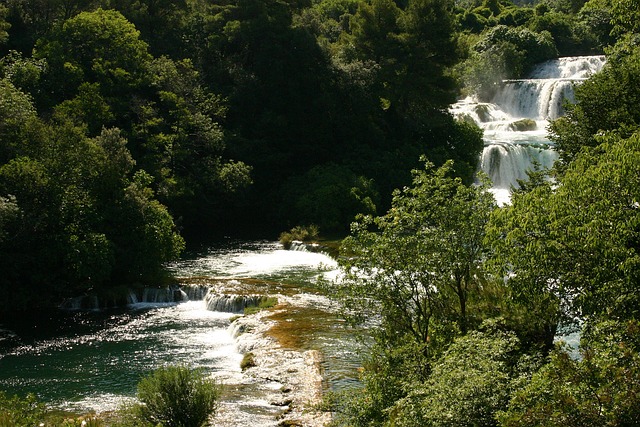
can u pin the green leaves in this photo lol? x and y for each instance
(177, 396)
(600, 389)
(469, 384)
(578, 244)
(422, 263)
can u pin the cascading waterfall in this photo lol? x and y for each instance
(229, 303)
(515, 121)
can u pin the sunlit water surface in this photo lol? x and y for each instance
(93, 360)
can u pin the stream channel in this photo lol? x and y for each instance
(93, 360)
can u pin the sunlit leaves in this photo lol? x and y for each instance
(578, 243)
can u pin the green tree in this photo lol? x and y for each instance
(625, 17)
(329, 196)
(605, 102)
(4, 25)
(83, 224)
(549, 240)
(412, 48)
(177, 396)
(600, 389)
(159, 21)
(95, 47)
(16, 114)
(420, 269)
(469, 385)
(426, 260)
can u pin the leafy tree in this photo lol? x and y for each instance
(419, 269)
(625, 17)
(426, 261)
(597, 15)
(469, 385)
(599, 389)
(536, 46)
(33, 19)
(159, 21)
(83, 224)
(99, 47)
(16, 113)
(387, 35)
(549, 241)
(4, 25)
(605, 102)
(23, 72)
(329, 196)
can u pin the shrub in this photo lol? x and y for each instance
(301, 233)
(15, 411)
(177, 396)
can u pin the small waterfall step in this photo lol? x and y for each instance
(232, 303)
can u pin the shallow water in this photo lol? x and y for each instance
(93, 360)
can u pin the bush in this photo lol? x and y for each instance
(15, 411)
(301, 233)
(178, 397)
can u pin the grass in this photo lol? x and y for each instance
(265, 303)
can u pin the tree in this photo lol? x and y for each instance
(159, 21)
(81, 223)
(4, 25)
(605, 102)
(95, 47)
(600, 389)
(418, 270)
(16, 114)
(469, 385)
(549, 241)
(412, 47)
(329, 196)
(625, 17)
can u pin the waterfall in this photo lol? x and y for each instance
(166, 295)
(515, 121)
(231, 303)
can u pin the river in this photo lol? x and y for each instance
(92, 360)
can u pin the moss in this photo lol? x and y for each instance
(248, 361)
(265, 303)
(524, 125)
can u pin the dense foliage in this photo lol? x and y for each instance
(250, 116)
(128, 128)
(177, 396)
(562, 256)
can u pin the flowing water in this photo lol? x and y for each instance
(92, 360)
(515, 121)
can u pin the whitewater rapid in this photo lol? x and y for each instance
(515, 121)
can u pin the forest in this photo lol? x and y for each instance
(130, 130)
